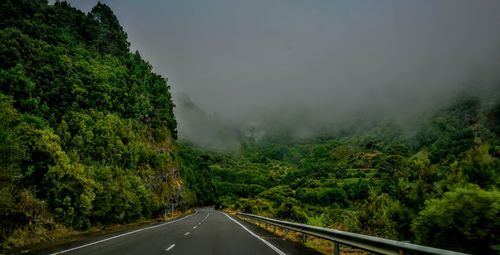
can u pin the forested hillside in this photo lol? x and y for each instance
(87, 129)
(88, 138)
(435, 184)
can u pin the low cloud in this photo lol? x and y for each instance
(240, 68)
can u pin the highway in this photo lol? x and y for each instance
(206, 231)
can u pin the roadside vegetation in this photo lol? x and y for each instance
(86, 128)
(436, 185)
(88, 139)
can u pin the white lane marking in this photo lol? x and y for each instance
(258, 237)
(170, 247)
(199, 223)
(205, 217)
(124, 234)
(195, 227)
(187, 234)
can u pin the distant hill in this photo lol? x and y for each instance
(437, 184)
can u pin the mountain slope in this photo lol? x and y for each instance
(87, 129)
(436, 184)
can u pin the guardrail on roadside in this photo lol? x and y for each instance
(364, 242)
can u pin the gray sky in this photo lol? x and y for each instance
(304, 64)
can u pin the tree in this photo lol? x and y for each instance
(466, 219)
(105, 31)
(10, 154)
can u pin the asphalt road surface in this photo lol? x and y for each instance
(205, 232)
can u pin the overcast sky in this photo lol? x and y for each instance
(285, 62)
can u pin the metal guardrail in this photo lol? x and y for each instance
(364, 242)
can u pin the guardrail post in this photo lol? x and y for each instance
(286, 231)
(274, 229)
(336, 248)
(304, 237)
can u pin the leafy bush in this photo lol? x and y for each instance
(466, 219)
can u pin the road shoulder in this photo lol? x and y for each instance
(287, 246)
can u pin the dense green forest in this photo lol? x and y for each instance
(88, 137)
(87, 131)
(436, 184)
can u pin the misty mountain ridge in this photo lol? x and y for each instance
(433, 183)
(295, 125)
(303, 68)
(375, 118)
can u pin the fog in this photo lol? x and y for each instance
(246, 68)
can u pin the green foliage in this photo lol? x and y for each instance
(317, 220)
(383, 181)
(87, 137)
(325, 196)
(466, 218)
(198, 175)
(104, 31)
(86, 128)
(373, 217)
(10, 153)
(290, 211)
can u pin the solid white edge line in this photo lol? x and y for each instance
(255, 235)
(170, 247)
(121, 235)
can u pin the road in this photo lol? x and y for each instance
(205, 232)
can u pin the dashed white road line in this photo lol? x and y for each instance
(205, 217)
(170, 247)
(195, 227)
(187, 233)
(118, 236)
(258, 237)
